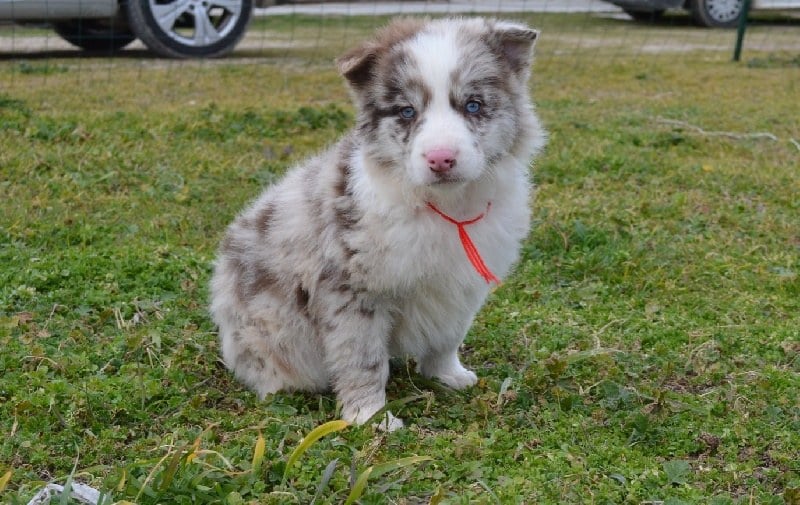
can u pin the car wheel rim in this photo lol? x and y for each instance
(196, 23)
(724, 11)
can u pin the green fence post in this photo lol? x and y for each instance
(737, 52)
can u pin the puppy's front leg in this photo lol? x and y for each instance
(356, 350)
(447, 368)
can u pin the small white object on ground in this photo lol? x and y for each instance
(80, 492)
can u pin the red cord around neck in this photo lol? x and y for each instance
(473, 255)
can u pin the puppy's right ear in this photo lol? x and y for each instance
(357, 65)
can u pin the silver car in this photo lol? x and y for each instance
(170, 28)
(716, 13)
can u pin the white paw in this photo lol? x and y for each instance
(387, 422)
(360, 415)
(459, 379)
(448, 369)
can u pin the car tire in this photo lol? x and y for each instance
(716, 13)
(189, 28)
(96, 35)
(645, 16)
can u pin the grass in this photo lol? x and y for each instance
(646, 349)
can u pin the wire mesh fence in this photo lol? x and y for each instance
(310, 36)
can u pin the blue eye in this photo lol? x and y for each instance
(408, 112)
(473, 107)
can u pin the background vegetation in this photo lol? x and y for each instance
(645, 350)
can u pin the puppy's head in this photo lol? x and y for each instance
(440, 103)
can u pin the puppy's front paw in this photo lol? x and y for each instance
(449, 370)
(387, 422)
(459, 379)
(360, 414)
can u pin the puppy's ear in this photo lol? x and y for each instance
(515, 43)
(357, 65)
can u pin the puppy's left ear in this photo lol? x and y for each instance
(515, 43)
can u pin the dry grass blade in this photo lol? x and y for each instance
(437, 498)
(309, 440)
(503, 388)
(731, 135)
(5, 479)
(258, 453)
(172, 467)
(150, 477)
(122, 481)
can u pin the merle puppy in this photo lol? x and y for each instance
(387, 243)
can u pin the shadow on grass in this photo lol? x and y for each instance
(68, 54)
(131, 54)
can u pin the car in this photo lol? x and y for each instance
(169, 28)
(711, 13)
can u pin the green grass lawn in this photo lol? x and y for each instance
(646, 350)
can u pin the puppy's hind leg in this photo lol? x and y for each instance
(440, 360)
(246, 354)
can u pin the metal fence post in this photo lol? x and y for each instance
(737, 52)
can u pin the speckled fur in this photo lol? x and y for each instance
(341, 265)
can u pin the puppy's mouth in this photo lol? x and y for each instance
(446, 179)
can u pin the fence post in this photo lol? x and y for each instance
(737, 52)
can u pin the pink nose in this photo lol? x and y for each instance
(441, 160)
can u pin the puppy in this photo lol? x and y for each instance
(387, 243)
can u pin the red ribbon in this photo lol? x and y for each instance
(473, 255)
